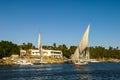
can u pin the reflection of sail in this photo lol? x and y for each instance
(82, 53)
(40, 46)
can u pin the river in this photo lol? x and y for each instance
(92, 71)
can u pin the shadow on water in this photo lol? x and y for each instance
(92, 71)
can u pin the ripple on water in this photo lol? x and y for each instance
(61, 72)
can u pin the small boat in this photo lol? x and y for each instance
(94, 61)
(37, 62)
(81, 54)
(22, 62)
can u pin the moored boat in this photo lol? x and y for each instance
(23, 62)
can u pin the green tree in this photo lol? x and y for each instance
(27, 46)
(72, 50)
(54, 46)
(65, 50)
(8, 48)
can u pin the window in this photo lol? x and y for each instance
(55, 52)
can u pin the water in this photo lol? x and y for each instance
(92, 71)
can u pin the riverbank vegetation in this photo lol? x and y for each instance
(8, 48)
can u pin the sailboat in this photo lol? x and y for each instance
(22, 62)
(81, 54)
(40, 47)
(40, 50)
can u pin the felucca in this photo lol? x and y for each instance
(40, 51)
(81, 54)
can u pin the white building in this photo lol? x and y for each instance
(34, 52)
(54, 53)
(23, 52)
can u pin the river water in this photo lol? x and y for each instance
(92, 71)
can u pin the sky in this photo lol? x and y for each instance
(60, 21)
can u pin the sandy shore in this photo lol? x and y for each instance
(32, 60)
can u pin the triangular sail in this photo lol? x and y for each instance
(40, 46)
(84, 41)
(75, 56)
(82, 48)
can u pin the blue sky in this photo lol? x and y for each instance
(60, 21)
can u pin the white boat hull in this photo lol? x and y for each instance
(83, 63)
(23, 62)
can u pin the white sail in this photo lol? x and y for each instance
(41, 61)
(40, 46)
(84, 41)
(39, 42)
(75, 56)
(81, 53)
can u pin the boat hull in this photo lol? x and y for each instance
(80, 64)
(22, 62)
(37, 63)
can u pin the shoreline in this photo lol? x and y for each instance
(48, 60)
